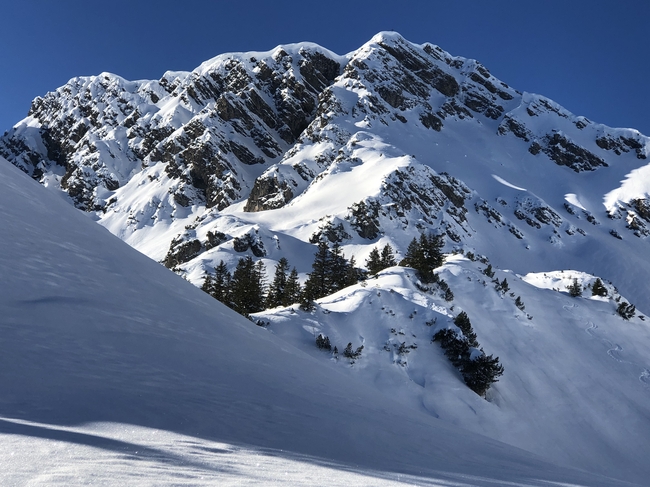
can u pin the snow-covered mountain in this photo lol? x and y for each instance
(263, 154)
(114, 371)
(386, 142)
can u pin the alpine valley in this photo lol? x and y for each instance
(544, 217)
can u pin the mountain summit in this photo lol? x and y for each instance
(409, 135)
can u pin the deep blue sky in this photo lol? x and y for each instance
(591, 56)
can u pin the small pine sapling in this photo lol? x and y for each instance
(598, 288)
(504, 286)
(449, 295)
(323, 342)
(626, 310)
(575, 289)
(349, 353)
(519, 303)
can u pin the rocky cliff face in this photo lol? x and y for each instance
(207, 128)
(283, 147)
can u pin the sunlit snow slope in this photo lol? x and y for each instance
(114, 371)
(577, 375)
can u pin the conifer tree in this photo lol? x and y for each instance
(456, 346)
(462, 321)
(323, 342)
(218, 285)
(519, 303)
(626, 310)
(598, 288)
(388, 257)
(575, 289)
(353, 274)
(481, 372)
(377, 262)
(338, 270)
(248, 286)
(222, 283)
(318, 283)
(502, 286)
(373, 262)
(413, 257)
(424, 255)
(278, 287)
(449, 295)
(478, 372)
(208, 284)
(293, 289)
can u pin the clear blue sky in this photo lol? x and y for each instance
(591, 56)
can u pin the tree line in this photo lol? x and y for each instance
(246, 290)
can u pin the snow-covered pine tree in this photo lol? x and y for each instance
(626, 310)
(208, 284)
(478, 372)
(218, 285)
(222, 284)
(353, 274)
(455, 345)
(425, 255)
(519, 303)
(319, 282)
(338, 270)
(323, 342)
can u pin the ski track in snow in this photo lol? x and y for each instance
(614, 349)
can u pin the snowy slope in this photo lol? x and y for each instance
(577, 376)
(115, 371)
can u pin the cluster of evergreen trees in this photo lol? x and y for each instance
(424, 255)
(323, 342)
(331, 271)
(377, 261)
(478, 372)
(246, 291)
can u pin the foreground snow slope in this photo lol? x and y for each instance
(113, 370)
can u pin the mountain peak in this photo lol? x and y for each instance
(265, 155)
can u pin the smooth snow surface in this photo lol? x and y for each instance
(115, 371)
(576, 383)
